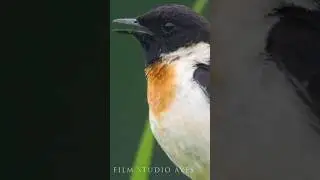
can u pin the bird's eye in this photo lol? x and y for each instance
(168, 27)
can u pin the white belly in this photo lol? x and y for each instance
(183, 132)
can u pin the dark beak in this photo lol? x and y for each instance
(135, 27)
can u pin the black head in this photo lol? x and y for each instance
(166, 28)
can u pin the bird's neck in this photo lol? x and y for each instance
(162, 74)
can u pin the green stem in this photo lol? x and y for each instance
(144, 155)
(199, 5)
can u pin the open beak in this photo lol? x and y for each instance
(135, 27)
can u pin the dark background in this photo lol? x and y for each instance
(55, 86)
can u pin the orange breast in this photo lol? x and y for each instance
(161, 87)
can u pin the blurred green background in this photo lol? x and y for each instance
(128, 104)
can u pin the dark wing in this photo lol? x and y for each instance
(202, 77)
(294, 42)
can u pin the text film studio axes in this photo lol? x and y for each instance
(166, 170)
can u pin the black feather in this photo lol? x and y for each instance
(202, 77)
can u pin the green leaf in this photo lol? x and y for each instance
(145, 151)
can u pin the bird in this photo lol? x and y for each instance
(265, 120)
(176, 44)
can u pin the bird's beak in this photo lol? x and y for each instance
(135, 27)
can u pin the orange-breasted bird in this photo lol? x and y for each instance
(176, 44)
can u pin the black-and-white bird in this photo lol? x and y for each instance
(176, 44)
(267, 87)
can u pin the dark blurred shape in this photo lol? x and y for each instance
(295, 42)
(261, 127)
